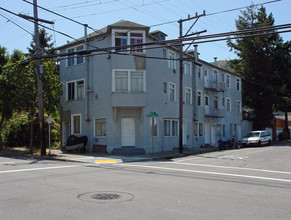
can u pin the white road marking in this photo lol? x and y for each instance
(39, 168)
(206, 172)
(6, 162)
(226, 167)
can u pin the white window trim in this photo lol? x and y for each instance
(128, 78)
(169, 92)
(205, 99)
(128, 39)
(157, 127)
(228, 75)
(75, 82)
(229, 104)
(238, 101)
(171, 127)
(199, 68)
(215, 75)
(72, 124)
(75, 56)
(94, 134)
(190, 95)
(174, 61)
(238, 80)
(190, 68)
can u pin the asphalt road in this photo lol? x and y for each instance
(249, 183)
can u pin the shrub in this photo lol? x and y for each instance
(283, 136)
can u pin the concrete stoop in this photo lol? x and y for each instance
(128, 150)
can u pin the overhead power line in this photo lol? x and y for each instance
(16, 24)
(220, 12)
(177, 42)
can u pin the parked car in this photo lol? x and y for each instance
(257, 138)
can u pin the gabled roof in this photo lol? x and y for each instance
(122, 24)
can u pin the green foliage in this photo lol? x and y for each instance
(17, 131)
(283, 136)
(256, 64)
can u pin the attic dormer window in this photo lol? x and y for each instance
(136, 38)
(120, 40)
(126, 38)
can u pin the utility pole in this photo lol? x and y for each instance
(39, 80)
(181, 89)
(181, 75)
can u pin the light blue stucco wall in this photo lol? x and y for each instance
(104, 103)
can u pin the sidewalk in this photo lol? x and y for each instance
(107, 158)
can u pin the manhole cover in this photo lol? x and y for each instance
(106, 197)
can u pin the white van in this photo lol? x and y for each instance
(257, 138)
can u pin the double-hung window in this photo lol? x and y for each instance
(75, 59)
(228, 104)
(215, 75)
(136, 79)
(171, 57)
(126, 38)
(228, 81)
(238, 106)
(80, 58)
(136, 38)
(187, 68)
(198, 129)
(172, 92)
(199, 72)
(71, 58)
(76, 124)
(216, 101)
(171, 128)
(75, 89)
(100, 127)
(238, 84)
(199, 98)
(167, 124)
(120, 40)
(188, 95)
(128, 81)
(174, 128)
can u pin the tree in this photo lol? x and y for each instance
(23, 96)
(5, 107)
(256, 66)
(45, 46)
(282, 70)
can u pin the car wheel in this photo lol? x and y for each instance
(259, 143)
(269, 142)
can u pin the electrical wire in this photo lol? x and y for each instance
(219, 12)
(9, 20)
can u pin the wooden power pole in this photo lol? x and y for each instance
(181, 76)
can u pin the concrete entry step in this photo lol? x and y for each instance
(128, 150)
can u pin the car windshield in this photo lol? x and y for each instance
(253, 134)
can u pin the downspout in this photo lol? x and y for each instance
(87, 116)
(195, 82)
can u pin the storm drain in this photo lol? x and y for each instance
(106, 197)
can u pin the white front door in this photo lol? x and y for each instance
(207, 134)
(127, 132)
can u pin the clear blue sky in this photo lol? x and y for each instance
(100, 13)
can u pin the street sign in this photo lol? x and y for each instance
(152, 114)
(49, 119)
